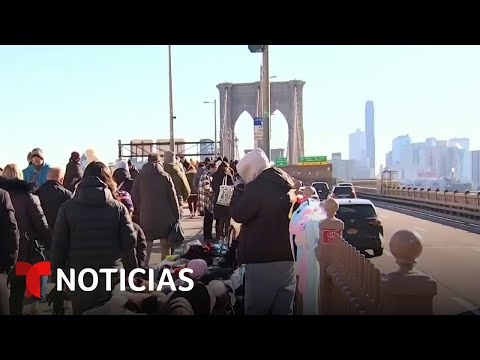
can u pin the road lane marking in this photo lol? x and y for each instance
(420, 229)
(467, 304)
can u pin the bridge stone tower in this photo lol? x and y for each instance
(285, 96)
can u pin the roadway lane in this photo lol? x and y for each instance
(450, 255)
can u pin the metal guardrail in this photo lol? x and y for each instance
(463, 204)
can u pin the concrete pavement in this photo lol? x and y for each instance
(450, 255)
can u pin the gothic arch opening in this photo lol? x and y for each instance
(287, 97)
(278, 135)
(244, 133)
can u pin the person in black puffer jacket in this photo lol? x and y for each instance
(262, 206)
(93, 230)
(32, 225)
(9, 237)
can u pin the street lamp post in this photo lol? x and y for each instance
(214, 102)
(170, 89)
(265, 91)
(266, 101)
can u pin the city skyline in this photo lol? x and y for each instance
(64, 98)
(432, 159)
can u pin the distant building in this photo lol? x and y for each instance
(431, 159)
(388, 160)
(277, 153)
(83, 161)
(397, 145)
(343, 170)
(141, 147)
(464, 143)
(357, 146)
(207, 149)
(309, 174)
(336, 156)
(475, 156)
(179, 149)
(370, 134)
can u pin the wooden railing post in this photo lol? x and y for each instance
(329, 228)
(407, 291)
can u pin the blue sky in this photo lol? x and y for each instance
(64, 98)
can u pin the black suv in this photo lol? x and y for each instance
(362, 229)
(322, 189)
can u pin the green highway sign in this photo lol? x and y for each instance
(281, 161)
(312, 159)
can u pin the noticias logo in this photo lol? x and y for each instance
(43, 268)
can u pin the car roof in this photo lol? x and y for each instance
(320, 182)
(344, 184)
(353, 202)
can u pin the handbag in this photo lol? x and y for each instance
(225, 194)
(176, 236)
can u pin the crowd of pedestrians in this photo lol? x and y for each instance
(93, 218)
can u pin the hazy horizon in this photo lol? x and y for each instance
(65, 98)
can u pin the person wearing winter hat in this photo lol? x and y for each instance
(141, 248)
(73, 172)
(262, 205)
(37, 171)
(122, 177)
(122, 164)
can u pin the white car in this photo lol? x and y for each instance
(345, 184)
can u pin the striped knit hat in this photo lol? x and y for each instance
(125, 198)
